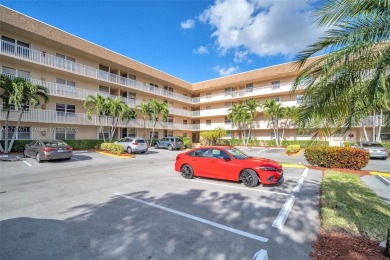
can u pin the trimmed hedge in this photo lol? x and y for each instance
(294, 148)
(18, 146)
(304, 143)
(113, 148)
(337, 157)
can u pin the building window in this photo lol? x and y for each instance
(62, 133)
(104, 132)
(184, 122)
(208, 95)
(15, 72)
(65, 87)
(228, 133)
(275, 85)
(185, 108)
(299, 99)
(249, 88)
(185, 135)
(169, 90)
(24, 133)
(208, 122)
(65, 109)
(153, 136)
(208, 107)
(9, 45)
(277, 99)
(64, 61)
(129, 132)
(104, 89)
(170, 119)
(228, 104)
(170, 133)
(228, 91)
(227, 121)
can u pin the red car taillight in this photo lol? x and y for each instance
(136, 143)
(69, 148)
(47, 149)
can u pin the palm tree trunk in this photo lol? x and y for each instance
(6, 131)
(378, 137)
(365, 132)
(15, 132)
(373, 127)
(145, 131)
(101, 128)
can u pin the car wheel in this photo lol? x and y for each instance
(38, 157)
(67, 158)
(187, 172)
(170, 147)
(156, 146)
(143, 152)
(249, 178)
(129, 150)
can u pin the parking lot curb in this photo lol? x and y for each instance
(116, 156)
(261, 255)
(384, 180)
(383, 174)
(288, 165)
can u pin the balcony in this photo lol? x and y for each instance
(54, 117)
(49, 60)
(60, 90)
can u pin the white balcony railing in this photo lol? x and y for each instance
(81, 94)
(42, 58)
(51, 116)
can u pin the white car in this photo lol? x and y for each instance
(133, 144)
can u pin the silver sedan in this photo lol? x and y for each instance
(48, 150)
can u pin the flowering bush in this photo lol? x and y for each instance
(113, 148)
(337, 157)
(294, 148)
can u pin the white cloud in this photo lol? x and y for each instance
(240, 56)
(189, 24)
(263, 27)
(201, 50)
(226, 71)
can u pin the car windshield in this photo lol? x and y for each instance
(372, 145)
(140, 140)
(237, 154)
(54, 143)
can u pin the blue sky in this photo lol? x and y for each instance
(194, 40)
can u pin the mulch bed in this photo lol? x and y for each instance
(341, 245)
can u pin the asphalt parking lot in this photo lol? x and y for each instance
(99, 207)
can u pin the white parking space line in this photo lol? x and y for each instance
(304, 174)
(292, 177)
(234, 187)
(299, 185)
(205, 221)
(27, 163)
(283, 214)
(73, 158)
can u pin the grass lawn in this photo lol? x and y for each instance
(366, 213)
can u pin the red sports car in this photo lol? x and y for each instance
(228, 163)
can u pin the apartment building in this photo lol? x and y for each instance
(73, 68)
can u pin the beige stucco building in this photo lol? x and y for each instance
(73, 68)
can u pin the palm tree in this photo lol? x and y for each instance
(290, 114)
(240, 116)
(144, 110)
(274, 112)
(19, 93)
(118, 111)
(357, 40)
(252, 105)
(219, 133)
(99, 106)
(157, 109)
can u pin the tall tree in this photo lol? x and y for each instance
(157, 110)
(289, 116)
(274, 112)
(97, 105)
(358, 47)
(18, 94)
(251, 105)
(118, 110)
(240, 116)
(144, 110)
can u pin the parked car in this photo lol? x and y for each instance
(376, 150)
(228, 163)
(133, 144)
(48, 150)
(171, 143)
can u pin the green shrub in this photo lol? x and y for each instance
(304, 143)
(187, 142)
(337, 157)
(294, 148)
(113, 148)
(387, 145)
(18, 145)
